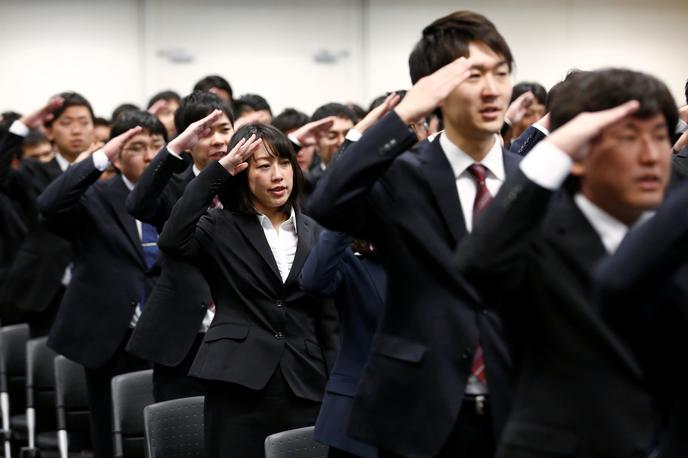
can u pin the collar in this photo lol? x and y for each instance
(611, 230)
(62, 162)
(127, 183)
(195, 170)
(289, 224)
(460, 161)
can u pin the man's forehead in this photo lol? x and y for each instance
(655, 121)
(75, 111)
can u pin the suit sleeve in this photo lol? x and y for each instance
(339, 202)
(189, 229)
(147, 202)
(9, 143)
(61, 202)
(323, 270)
(527, 141)
(649, 255)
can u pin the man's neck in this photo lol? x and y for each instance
(476, 146)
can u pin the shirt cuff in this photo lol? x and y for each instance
(293, 139)
(100, 160)
(19, 128)
(353, 135)
(541, 128)
(547, 166)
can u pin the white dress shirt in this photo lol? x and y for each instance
(466, 185)
(282, 242)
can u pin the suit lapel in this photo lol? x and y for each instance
(116, 195)
(510, 162)
(303, 247)
(441, 180)
(249, 225)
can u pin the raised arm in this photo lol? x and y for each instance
(322, 272)
(339, 201)
(60, 203)
(188, 231)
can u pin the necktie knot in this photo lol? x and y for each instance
(478, 171)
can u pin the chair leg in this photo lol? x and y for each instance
(62, 443)
(31, 426)
(5, 408)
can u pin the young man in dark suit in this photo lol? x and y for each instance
(114, 262)
(437, 382)
(37, 279)
(180, 308)
(581, 392)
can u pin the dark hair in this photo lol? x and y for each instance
(99, 121)
(7, 118)
(290, 119)
(71, 99)
(207, 83)
(607, 88)
(554, 89)
(251, 102)
(164, 95)
(686, 91)
(333, 109)
(358, 111)
(537, 89)
(35, 137)
(121, 109)
(198, 105)
(447, 39)
(129, 119)
(237, 194)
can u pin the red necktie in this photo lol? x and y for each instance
(483, 198)
(216, 203)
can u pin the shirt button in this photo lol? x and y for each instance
(279, 335)
(279, 303)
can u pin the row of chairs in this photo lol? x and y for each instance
(53, 383)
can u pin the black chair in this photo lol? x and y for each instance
(131, 392)
(40, 397)
(294, 443)
(71, 402)
(174, 429)
(13, 380)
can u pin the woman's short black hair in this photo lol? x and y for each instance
(237, 195)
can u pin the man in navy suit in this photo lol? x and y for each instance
(437, 382)
(114, 261)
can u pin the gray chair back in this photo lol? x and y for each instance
(174, 429)
(295, 443)
(131, 392)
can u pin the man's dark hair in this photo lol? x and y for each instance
(276, 143)
(198, 105)
(289, 120)
(447, 39)
(34, 138)
(164, 95)
(211, 81)
(537, 89)
(333, 109)
(251, 102)
(608, 88)
(130, 119)
(71, 99)
(686, 91)
(101, 122)
(121, 109)
(358, 111)
(554, 89)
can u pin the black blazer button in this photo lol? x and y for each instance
(279, 335)
(133, 303)
(465, 355)
(279, 303)
(203, 305)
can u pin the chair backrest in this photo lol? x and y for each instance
(294, 443)
(131, 392)
(71, 401)
(40, 382)
(13, 354)
(175, 428)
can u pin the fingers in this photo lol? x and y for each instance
(237, 159)
(608, 117)
(53, 104)
(157, 107)
(114, 146)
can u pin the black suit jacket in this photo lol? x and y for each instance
(580, 390)
(407, 203)
(526, 141)
(35, 277)
(109, 273)
(261, 324)
(643, 295)
(175, 310)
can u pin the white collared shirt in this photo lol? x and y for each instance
(282, 243)
(466, 185)
(62, 162)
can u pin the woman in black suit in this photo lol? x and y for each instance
(264, 356)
